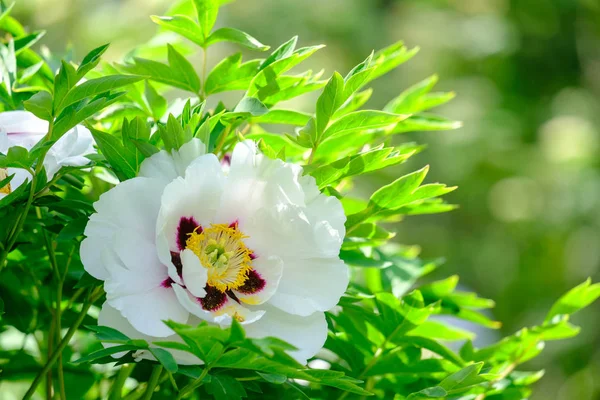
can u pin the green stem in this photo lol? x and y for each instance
(203, 82)
(193, 385)
(222, 140)
(200, 380)
(117, 388)
(95, 295)
(156, 371)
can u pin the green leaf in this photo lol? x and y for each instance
(179, 73)
(183, 25)
(17, 157)
(368, 161)
(273, 378)
(105, 333)
(282, 52)
(24, 42)
(105, 352)
(391, 57)
(435, 392)
(86, 280)
(122, 159)
(157, 103)
(235, 36)
(165, 358)
(287, 117)
(90, 61)
(425, 122)
(266, 82)
(134, 132)
(40, 104)
(231, 74)
(461, 377)
(173, 135)
(403, 191)
(358, 121)
(353, 103)
(95, 87)
(64, 81)
(329, 101)
(409, 101)
(441, 331)
(224, 387)
(575, 299)
(247, 107)
(78, 112)
(207, 11)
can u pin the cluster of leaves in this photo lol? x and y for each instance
(386, 338)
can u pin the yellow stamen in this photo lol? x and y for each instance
(3, 175)
(222, 251)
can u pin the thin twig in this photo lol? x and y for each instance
(94, 295)
(156, 371)
(117, 386)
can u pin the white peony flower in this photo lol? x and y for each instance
(22, 128)
(187, 241)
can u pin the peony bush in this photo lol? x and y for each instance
(159, 240)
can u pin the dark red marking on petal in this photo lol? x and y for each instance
(167, 283)
(226, 160)
(234, 224)
(232, 295)
(187, 225)
(213, 300)
(176, 260)
(254, 283)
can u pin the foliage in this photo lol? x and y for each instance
(387, 337)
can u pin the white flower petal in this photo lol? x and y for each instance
(195, 275)
(22, 128)
(308, 333)
(311, 285)
(99, 234)
(268, 270)
(146, 311)
(132, 265)
(20, 122)
(112, 318)
(133, 204)
(167, 167)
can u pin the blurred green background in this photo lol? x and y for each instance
(527, 75)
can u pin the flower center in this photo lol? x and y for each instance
(222, 251)
(3, 175)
